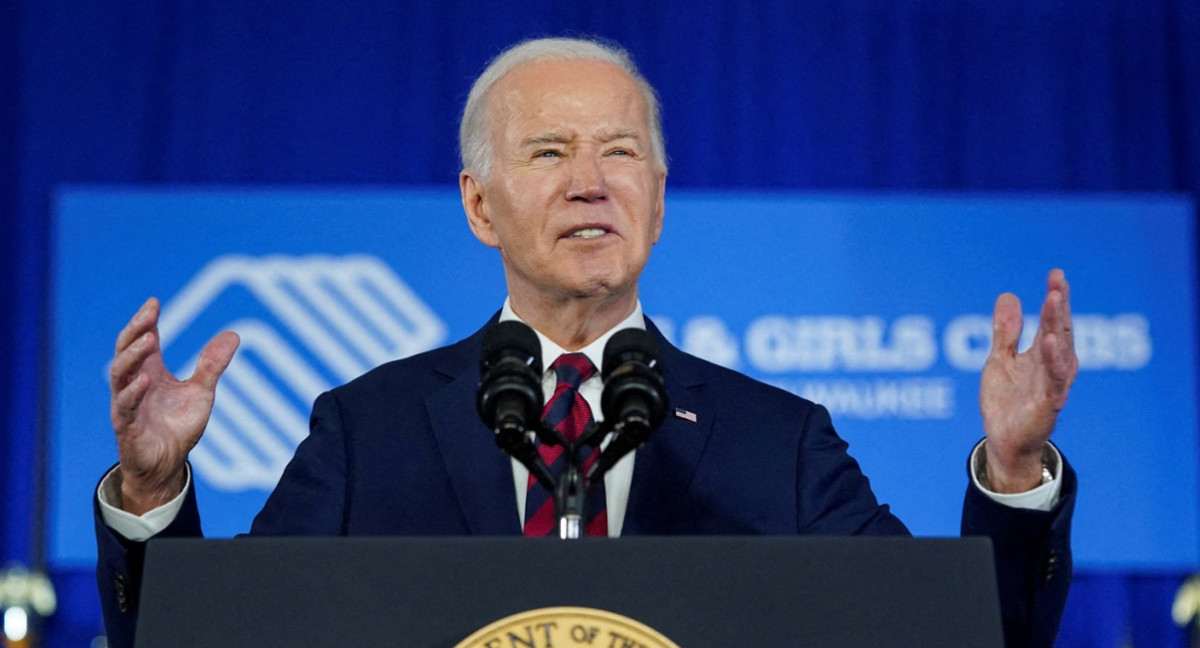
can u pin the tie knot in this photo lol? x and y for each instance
(573, 368)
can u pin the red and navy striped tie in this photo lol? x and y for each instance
(569, 413)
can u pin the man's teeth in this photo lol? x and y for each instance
(591, 232)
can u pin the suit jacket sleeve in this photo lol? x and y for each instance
(307, 502)
(1032, 548)
(1033, 560)
(119, 568)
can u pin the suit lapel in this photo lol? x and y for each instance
(665, 466)
(480, 473)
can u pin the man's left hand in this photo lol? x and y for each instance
(1021, 394)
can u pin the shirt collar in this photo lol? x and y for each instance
(594, 351)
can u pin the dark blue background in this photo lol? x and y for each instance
(1097, 95)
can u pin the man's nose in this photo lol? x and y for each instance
(587, 179)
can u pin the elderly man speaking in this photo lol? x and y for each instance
(564, 173)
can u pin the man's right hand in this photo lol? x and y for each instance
(159, 419)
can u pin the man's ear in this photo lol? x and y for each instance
(474, 205)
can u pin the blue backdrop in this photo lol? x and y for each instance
(1098, 95)
(878, 308)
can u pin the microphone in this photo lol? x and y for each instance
(634, 400)
(509, 400)
(510, 385)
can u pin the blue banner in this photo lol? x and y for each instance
(878, 307)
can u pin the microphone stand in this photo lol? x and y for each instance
(629, 435)
(570, 494)
(570, 498)
(512, 439)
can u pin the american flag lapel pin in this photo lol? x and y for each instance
(685, 414)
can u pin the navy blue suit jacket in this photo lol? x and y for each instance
(400, 451)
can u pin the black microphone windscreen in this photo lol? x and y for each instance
(511, 336)
(629, 344)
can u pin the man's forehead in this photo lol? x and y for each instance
(539, 82)
(566, 136)
(558, 92)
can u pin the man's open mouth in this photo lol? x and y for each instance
(588, 232)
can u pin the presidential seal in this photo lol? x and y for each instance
(566, 627)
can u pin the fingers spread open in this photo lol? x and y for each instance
(215, 358)
(1057, 280)
(1058, 370)
(145, 319)
(129, 361)
(1006, 324)
(126, 401)
(1056, 283)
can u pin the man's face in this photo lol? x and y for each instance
(574, 200)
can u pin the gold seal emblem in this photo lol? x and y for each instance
(566, 627)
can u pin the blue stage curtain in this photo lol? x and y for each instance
(1019, 95)
(17, 438)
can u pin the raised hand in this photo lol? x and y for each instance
(157, 418)
(1021, 394)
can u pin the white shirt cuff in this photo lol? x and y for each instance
(138, 528)
(1042, 498)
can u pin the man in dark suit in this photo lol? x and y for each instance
(564, 174)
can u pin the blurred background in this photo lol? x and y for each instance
(884, 96)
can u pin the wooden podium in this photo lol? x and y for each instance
(699, 592)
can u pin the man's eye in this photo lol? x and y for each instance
(547, 154)
(620, 151)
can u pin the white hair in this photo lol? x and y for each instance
(474, 136)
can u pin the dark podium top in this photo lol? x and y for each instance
(698, 591)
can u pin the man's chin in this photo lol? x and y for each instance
(603, 290)
(587, 284)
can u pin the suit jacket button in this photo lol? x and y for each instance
(1050, 567)
(121, 589)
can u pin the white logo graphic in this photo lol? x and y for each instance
(315, 322)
